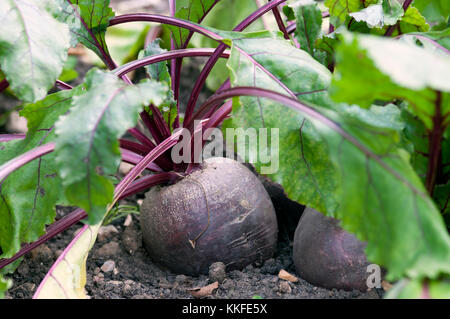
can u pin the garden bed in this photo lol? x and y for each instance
(134, 276)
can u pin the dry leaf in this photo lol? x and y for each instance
(386, 285)
(128, 220)
(287, 276)
(204, 291)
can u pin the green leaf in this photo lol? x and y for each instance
(340, 9)
(370, 68)
(67, 277)
(156, 71)
(69, 73)
(33, 47)
(88, 20)
(412, 21)
(416, 289)
(385, 12)
(191, 10)
(275, 64)
(29, 195)
(442, 197)
(358, 160)
(87, 147)
(434, 10)
(417, 135)
(308, 20)
(226, 15)
(5, 284)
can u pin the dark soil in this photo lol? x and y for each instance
(135, 276)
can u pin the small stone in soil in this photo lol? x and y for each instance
(285, 287)
(41, 252)
(98, 278)
(109, 249)
(227, 284)
(131, 239)
(108, 266)
(106, 232)
(217, 272)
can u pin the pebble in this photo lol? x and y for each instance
(42, 252)
(58, 253)
(285, 287)
(131, 239)
(106, 232)
(217, 272)
(108, 266)
(127, 289)
(108, 250)
(98, 278)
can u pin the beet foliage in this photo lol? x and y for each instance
(359, 91)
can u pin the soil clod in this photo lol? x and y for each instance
(217, 272)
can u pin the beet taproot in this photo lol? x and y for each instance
(325, 255)
(219, 213)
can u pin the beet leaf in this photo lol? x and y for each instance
(33, 47)
(28, 196)
(87, 147)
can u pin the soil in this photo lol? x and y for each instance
(133, 275)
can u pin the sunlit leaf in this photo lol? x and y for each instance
(66, 279)
(385, 12)
(87, 145)
(308, 18)
(192, 10)
(33, 47)
(88, 20)
(388, 69)
(340, 9)
(28, 196)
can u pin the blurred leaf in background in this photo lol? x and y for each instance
(226, 15)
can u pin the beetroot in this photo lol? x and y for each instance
(220, 213)
(328, 256)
